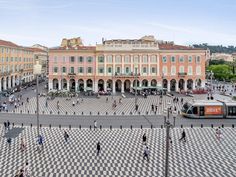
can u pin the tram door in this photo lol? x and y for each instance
(202, 111)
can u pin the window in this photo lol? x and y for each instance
(198, 59)
(144, 70)
(164, 59)
(173, 70)
(231, 110)
(72, 70)
(190, 70)
(90, 59)
(55, 69)
(190, 59)
(164, 70)
(109, 70)
(181, 69)
(118, 69)
(198, 70)
(127, 59)
(55, 59)
(80, 59)
(181, 59)
(172, 59)
(64, 59)
(89, 70)
(80, 70)
(136, 59)
(145, 59)
(118, 59)
(153, 59)
(153, 70)
(72, 59)
(64, 69)
(127, 70)
(109, 59)
(101, 59)
(100, 70)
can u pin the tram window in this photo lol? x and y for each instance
(195, 111)
(201, 110)
(231, 111)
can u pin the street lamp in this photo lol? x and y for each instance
(37, 71)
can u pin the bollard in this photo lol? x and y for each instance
(151, 126)
(35, 112)
(121, 127)
(69, 126)
(114, 113)
(201, 125)
(82, 113)
(106, 113)
(43, 112)
(222, 125)
(50, 126)
(13, 124)
(58, 112)
(66, 112)
(31, 125)
(60, 126)
(155, 113)
(74, 113)
(98, 113)
(100, 127)
(40, 125)
(181, 126)
(90, 127)
(139, 112)
(110, 127)
(50, 112)
(147, 113)
(21, 111)
(130, 113)
(161, 126)
(191, 125)
(80, 127)
(123, 113)
(22, 125)
(141, 127)
(90, 113)
(212, 126)
(232, 125)
(131, 127)
(28, 111)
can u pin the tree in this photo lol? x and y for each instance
(221, 72)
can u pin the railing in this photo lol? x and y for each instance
(126, 75)
(182, 74)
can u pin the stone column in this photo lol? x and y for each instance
(9, 82)
(168, 86)
(68, 85)
(85, 85)
(105, 85)
(96, 86)
(0, 84)
(177, 86)
(59, 84)
(122, 87)
(113, 86)
(185, 86)
(4, 84)
(76, 85)
(50, 86)
(13, 81)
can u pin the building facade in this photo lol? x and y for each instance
(16, 65)
(115, 65)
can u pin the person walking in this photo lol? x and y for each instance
(66, 136)
(5, 126)
(73, 103)
(144, 139)
(152, 107)
(40, 142)
(98, 148)
(146, 154)
(8, 125)
(27, 171)
(218, 133)
(95, 124)
(22, 144)
(183, 137)
(9, 141)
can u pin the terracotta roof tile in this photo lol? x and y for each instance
(7, 43)
(176, 47)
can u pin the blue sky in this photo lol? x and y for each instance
(46, 22)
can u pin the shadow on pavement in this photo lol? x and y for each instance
(13, 133)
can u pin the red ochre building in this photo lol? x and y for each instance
(115, 64)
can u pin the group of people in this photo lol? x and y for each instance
(25, 171)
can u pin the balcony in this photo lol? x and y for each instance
(71, 74)
(126, 75)
(182, 74)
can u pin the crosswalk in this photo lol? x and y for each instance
(121, 153)
(94, 106)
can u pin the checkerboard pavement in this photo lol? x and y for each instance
(95, 105)
(121, 153)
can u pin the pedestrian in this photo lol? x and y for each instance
(46, 104)
(5, 126)
(218, 133)
(8, 125)
(98, 148)
(22, 144)
(183, 137)
(66, 136)
(95, 124)
(40, 142)
(156, 108)
(136, 107)
(15, 104)
(152, 107)
(144, 139)
(20, 173)
(27, 171)
(146, 154)
(9, 141)
(22, 103)
(107, 99)
(73, 103)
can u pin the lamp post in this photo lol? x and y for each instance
(37, 71)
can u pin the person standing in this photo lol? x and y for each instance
(98, 148)
(66, 136)
(146, 154)
(153, 107)
(22, 144)
(218, 133)
(40, 142)
(144, 139)
(27, 171)
(9, 141)
(95, 124)
(183, 137)
(8, 125)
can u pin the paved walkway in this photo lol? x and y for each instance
(121, 153)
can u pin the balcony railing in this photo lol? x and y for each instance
(71, 74)
(126, 75)
(182, 74)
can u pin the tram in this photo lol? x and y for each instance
(209, 109)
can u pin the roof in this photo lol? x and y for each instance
(170, 46)
(74, 48)
(7, 43)
(36, 49)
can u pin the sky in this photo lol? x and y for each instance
(186, 22)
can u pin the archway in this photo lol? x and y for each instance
(100, 85)
(165, 83)
(81, 85)
(72, 85)
(154, 83)
(109, 84)
(134, 83)
(12, 84)
(55, 84)
(7, 82)
(89, 84)
(2, 83)
(144, 83)
(181, 84)
(64, 84)
(198, 82)
(173, 85)
(118, 85)
(190, 84)
(127, 85)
